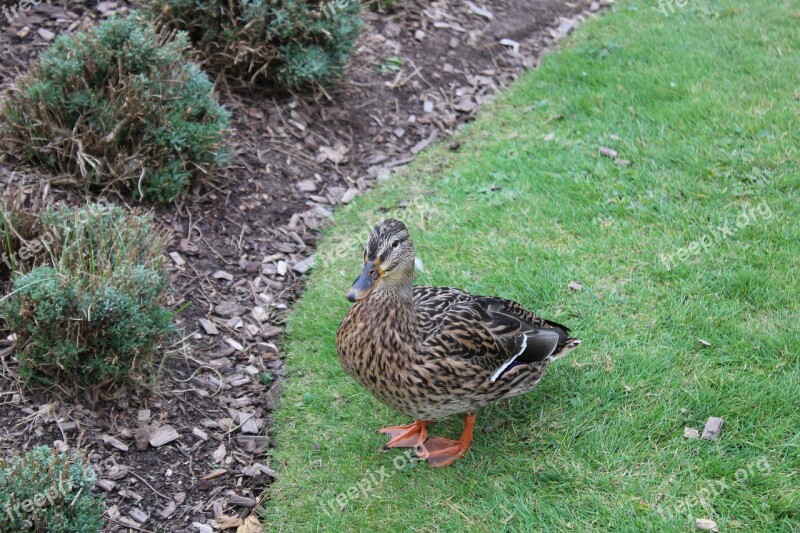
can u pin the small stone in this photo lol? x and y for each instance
(427, 106)
(202, 528)
(419, 35)
(691, 433)
(575, 286)
(200, 434)
(704, 342)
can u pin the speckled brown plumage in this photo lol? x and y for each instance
(431, 352)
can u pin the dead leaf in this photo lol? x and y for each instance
(228, 522)
(251, 525)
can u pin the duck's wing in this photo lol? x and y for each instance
(492, 333)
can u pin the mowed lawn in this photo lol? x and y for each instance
(686, 248)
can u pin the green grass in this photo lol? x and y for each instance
(704, 103)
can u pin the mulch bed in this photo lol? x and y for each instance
(195, 448)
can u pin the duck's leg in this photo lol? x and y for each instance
(408, 436)
(443, 452)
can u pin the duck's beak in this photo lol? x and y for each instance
(362, 286)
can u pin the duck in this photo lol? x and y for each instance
(434, 352)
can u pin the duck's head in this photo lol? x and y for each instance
(388, 260)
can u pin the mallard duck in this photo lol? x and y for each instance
(432, 352)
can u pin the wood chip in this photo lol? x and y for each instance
(208, 326)
(566, 26)
(304, 266)
(116, 472)
(713, 428)
(218, 456)
(215, 473)
(142, 437)
(163, 435)
(236, 345)
(510, 43)
(480, 11)
(167, 511)
(307, 185)
(241, 501)
(177, 258)
(200, 434)
(106, 484)
(115, 442)
(349, 196)
(202, 528)
(47, 35)
(704, 342)
(465, 105)
(608, 152)
(229, 309)
(138, 515)
(704, 524)
(260, 314)
(221, 274)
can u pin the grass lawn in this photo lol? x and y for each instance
(697, 238)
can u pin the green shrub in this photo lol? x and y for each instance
(45, 491)
(293, 43)
(118, 105)
(92, 312)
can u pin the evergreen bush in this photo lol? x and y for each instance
(291, 43)
(44, 491)
(118, 105)
(91, 313)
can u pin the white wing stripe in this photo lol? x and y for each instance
(514, 358)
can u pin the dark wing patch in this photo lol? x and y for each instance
(490, 332)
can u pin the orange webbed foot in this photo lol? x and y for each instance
(440, 452)
(408, 436)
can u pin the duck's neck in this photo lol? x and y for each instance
(398, 286)
(395, 296)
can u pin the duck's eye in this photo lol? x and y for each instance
(395, 244)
